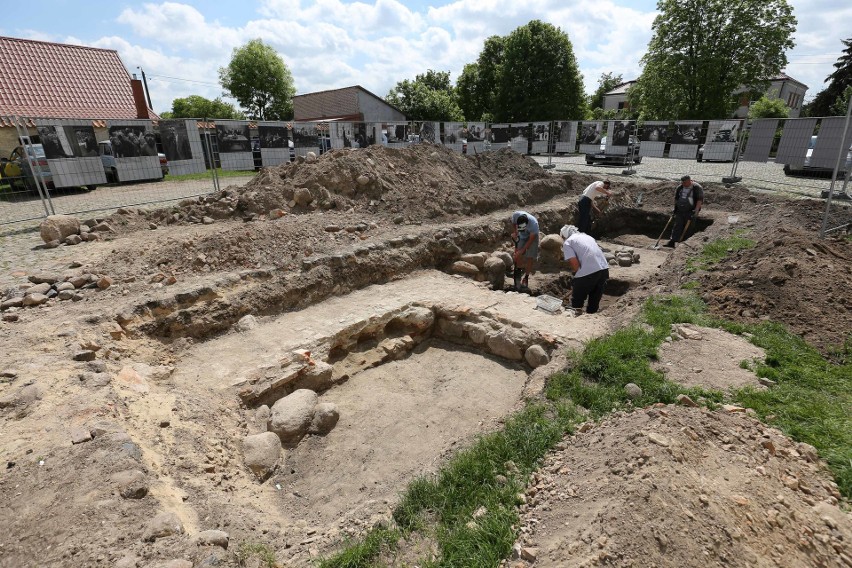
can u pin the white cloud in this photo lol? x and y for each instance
(376, 43)
(179, 26)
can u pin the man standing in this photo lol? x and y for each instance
(689, 197)
(525, 235)
(587, 203)
(591, 270)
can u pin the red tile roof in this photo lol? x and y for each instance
(52, 80)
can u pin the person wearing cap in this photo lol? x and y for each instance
(689, 197)
(587, 203)
(525, 235)
(589, 265)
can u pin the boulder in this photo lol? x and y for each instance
(326, 416)
(506, 344)
(43, 288)
(316, 377)
(292, 415)
(58, 227)
(633, 391)
(34, 300)
(163, 525)
(246, 323)
(536, 356)
(496, 270)
(311, 157)
(476, 259)
(462, 267)
(212, 538)
(415, 319)
(505, 257)
(303, 196)
(551, 243)
(261, 453)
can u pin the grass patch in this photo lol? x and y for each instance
(209, 175)
(469, 506)
(249, 550)
(812, 400)
(715, 251)
(378, 540)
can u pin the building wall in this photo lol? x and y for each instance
(613, 102)
(376, 110)
(326, 104)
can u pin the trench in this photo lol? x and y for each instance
(416, 362)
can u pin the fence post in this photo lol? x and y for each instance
(34, 166)
(841, 155)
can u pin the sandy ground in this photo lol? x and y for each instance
(97, 451)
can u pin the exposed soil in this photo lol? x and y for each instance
(312, 251)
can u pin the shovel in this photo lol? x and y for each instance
(685, 229)
(657, 246)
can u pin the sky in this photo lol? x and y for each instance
(329, 44)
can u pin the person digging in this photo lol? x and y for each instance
(589, 265)
(689, 197)
(525, 236)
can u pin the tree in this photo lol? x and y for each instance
(841, 105)
(838, 82)
(704, 50)
(538, 77)
(260, 80)
(196, 106)
(477, 86)
(768, 107)
(606, 83)
(429, 96)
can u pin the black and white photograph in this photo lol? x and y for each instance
(131, 141)
(652, 139)
(476, 132)
(175, 140)
(541, 131)
(620, 133)
(591, 132)
(501, 133)
(723, 131)
(273, 136)
(651, 132)
(686, 133)
(305, 135)
(231, 138)
(68, 142)
(429, 132)
(53, 147)
(565, 135)
(397, 133)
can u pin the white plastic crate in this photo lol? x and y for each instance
(549, 304)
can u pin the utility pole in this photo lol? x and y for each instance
(145, 83)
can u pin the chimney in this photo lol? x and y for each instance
(139, 98)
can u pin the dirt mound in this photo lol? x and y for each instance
(794, 278)
(674, 486)
(341, 198)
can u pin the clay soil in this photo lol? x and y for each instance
(157, 418)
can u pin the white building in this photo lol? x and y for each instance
(782, 86)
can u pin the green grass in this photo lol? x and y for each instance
(248, 550)
(209, 175)
(811, 402)
(715, 251)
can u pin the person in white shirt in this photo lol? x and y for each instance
(587, 203)
(591, 269)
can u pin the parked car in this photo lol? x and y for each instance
(806, 170)
(24, 164)
(108, 160)
(602, 157)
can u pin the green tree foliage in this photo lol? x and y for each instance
(539, 78)
(841, 105)
(260, 80)
(429, 96)
(478, 83)
(606, 83)
(704, 50)
(768, 107)
(196, 106)
(841, 79)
